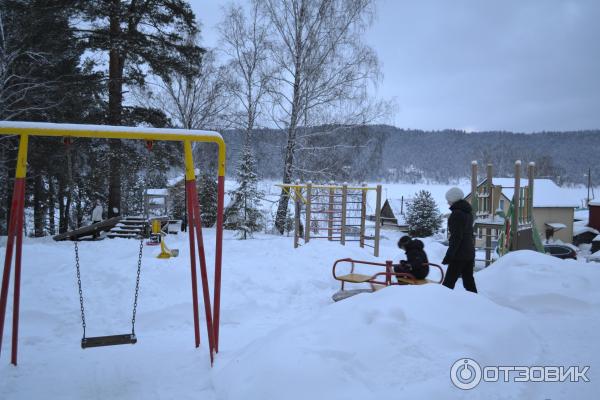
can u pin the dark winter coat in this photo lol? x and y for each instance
(416, 257)
(460, 225)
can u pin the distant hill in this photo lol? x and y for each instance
(382, 152)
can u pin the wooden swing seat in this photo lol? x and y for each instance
(408, 281)
(355, 278)
(112, 340)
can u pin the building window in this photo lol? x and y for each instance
(502, 204)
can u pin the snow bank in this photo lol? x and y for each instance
(534, 282)
(400, 341)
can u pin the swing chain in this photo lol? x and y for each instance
(137, 286)
(79, 285)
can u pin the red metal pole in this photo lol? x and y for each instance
(8, 257)
(218, 258)
(203, 272)
(17, 288)
(190, 216)
(388, 272)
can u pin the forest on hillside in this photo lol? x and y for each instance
(391, 154)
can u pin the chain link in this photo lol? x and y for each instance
(79, 285)
(137, 285)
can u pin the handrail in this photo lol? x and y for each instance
(389, 269)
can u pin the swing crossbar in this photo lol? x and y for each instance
(67, 131)
(111, 340)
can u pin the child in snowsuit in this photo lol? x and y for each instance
(416, 258)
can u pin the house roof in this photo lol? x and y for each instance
(579, 229)
(556, 225)
(157, 192)
(397, 208)
(547, 194)
(594, 203)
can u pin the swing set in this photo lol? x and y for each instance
(15, 229)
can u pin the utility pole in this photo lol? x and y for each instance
(589, 185)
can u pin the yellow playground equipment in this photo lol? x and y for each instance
(158, 237)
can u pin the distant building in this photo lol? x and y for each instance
(594, 221)
(392, 214)
(552, 214)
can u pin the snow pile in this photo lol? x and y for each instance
(400, 341)
(536, 283)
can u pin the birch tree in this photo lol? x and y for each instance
(244, 42)
(198, 101)
(323, 65)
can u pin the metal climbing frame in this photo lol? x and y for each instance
(339, 211)
(15, 230)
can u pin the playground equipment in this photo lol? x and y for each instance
(375, 279)
(89, 230)
(15, 231)
(112, 340)
(157, 237)
(339, 211)
(513, 229)
(130, 227)
(156, 202)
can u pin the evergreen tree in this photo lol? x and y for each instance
(243, 214)
(422, 215)
(139, 38)
(207, 197)
(44, 80)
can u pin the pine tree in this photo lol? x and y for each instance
(422, 215)
(207, 198)
(139, 38)
(243, 214)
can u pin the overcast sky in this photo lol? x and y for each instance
(519, 65)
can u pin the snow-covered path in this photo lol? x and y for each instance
(281, 335)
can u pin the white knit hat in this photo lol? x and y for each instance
(454, 194)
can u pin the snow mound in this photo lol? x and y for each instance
(400, 341)
(533, 282)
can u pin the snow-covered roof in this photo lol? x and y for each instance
(579, 229)
(180, 178)
(596, 239)
(594, 203)
(157, 192)
(556, 225)
(546, 193)
(133, 130)
(397, 208)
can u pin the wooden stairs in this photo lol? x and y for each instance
(133, 227)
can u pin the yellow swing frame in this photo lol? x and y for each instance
(15, 232)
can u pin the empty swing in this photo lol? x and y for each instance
(111, 340)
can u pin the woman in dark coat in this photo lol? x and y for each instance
(460, 256)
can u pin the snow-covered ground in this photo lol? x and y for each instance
(283, 337)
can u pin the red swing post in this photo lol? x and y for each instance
(196, 224)
(15, 233)
(67, 131)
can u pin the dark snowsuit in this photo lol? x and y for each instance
(460, 256)
(415, 258)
